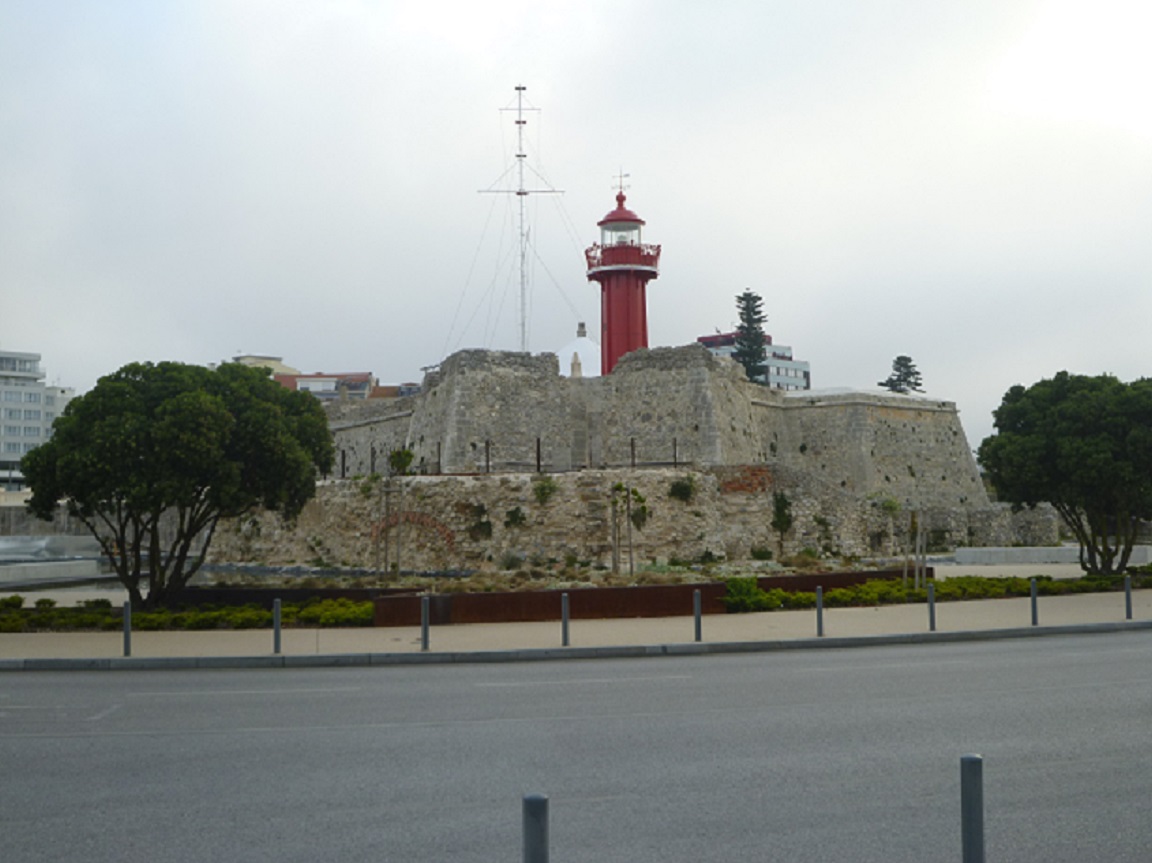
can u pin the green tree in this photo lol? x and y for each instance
(399, 460)
(781, 517)
(1084, 445)
(155, 455)
(905, 377)
(750, 351)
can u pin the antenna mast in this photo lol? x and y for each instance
(521, 194)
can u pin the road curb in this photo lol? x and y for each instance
(553, 654)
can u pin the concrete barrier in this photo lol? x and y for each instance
(1040, 555)
(48, 571)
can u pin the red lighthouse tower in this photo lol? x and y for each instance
(623, 266)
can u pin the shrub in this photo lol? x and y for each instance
(839, 597)
(249, 617)
(153, 620)
(800, 599)
(683, 489)
(544, 488)
(511, 560)
(758, 553)
(515, 517)
(336, 612)
(482, 527)
(12, 602)
(744, 594)
(368, 486)
(399, 460)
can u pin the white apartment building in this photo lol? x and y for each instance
(27, 408)
(784, 372)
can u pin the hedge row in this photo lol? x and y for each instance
(100, 615)
(745, 595)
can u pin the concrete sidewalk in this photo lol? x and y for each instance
(1001, 618)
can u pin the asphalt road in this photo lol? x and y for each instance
(799, 756)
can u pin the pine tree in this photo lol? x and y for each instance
(905, 377)
(750, 351)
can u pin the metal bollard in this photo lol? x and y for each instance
(819, 612)
(564, 619)
(972, 808)
(276, 626)
(127, 627)
(696, 612)
(1035, 605)
(424, 616)
(931, 607)
(535, 828)
(1127, 597)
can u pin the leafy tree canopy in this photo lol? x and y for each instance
(905, 377)
(1083, 444)
(155, 455)
(749, 349)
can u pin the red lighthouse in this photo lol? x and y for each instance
(622, 265)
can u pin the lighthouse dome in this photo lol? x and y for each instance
(620, 214)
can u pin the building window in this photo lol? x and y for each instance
(31, 414)
(32, 398)
(11, 396)
(49, 416)
(11, 446)
(12, 414)
(49, 401)
(28, 447)
(12, 431)
(31, 431)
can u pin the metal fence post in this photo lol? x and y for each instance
(127, 627)
(819, 612)
(1127, 597)
(972, 808)
(424, 615)
(1035, 604)
(535, 810)
(696, 611)
(564, 619)
(931, 607)
(276, 626)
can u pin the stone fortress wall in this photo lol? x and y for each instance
(845, 460)
(483, 412)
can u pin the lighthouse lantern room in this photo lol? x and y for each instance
(622, 265)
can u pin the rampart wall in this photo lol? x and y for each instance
(483, 412)
(501, 521)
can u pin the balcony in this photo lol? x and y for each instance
(627, 256)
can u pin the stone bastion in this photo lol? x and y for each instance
(488, 428)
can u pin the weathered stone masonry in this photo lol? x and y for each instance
(483, 412)
(676, 412)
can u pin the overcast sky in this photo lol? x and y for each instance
(968, 182)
